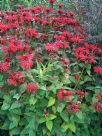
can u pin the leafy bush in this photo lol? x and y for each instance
(46, 74)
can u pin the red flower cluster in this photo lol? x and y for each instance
(26, 61)
(80, 93)
(60, 5)
(31, 33)
(99, 96)
(32, 87)
(84, 54)
(73, 107)
(4, 66)
(64, 94)
(14, 47)
(77, 77)
(98, 70)
(51, 1)
(97, 106)
(16, 78)
(51, 47)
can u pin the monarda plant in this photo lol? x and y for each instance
(47, 69)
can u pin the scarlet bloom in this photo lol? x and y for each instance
(99, 96)
(97, 106)
(16, 78)
(73, 107)
(60, 95)
(51, 1)
(26, 61)
(12, 82)
(77, 76)
(61, 44)
(80, 93)
(32, 87)
(98, 70)
(50, 47)
(4, 66)
(26, 64)
(31, 33)
(76, 39)
(59, 37)
(60, 5)
(64, 94)
(7, 59)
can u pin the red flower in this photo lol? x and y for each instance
(80, 93)
(73, 107)
(61, 44)
(64, 94)
(16, 78)
(51, 47)
(4, 66)
(84, 54)
(77, 76)
(72, 21)
(59, 37)
(7, 59)
(12, 82)
(97, 106)
(69, 93)
(26, 64)
(31, 33)
(98, 70)
(60, 95)
(99, 96)
(60, 5)
(26, 61)
(51, 1)
(76, 39)
(32, 87)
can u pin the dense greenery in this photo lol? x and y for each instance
(48, 72)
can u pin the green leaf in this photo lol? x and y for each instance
(43, 88)
(32, 133)
(72, 79)
(17, 96)
(7, 98)
(88, 72)
(64, 116)
(80, 115)
(42, 120)
(15, 105)
(88, 66)
(15, 131)
(50, 117)
(6, 124)
(30, 77)
(5, 106)
(14, 121)
(51, 101)
(49, 125)
(60, 108)
(87, 78)
(54, 109)
(32, 100)
(72, 127)
(31, 124)
(64, 127)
